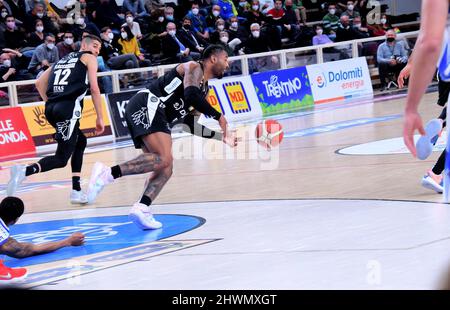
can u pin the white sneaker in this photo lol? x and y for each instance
(424, 145)
(100, 176)
(17, 177)
(140, 215)
(429, 183)
(78, 197)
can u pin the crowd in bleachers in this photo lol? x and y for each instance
(34, 34)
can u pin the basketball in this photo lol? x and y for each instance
(269, 133)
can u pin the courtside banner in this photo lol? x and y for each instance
(117, 104)
(42, 132)
(15, 138)
(283, 91)
(235, 98)
(340, 80)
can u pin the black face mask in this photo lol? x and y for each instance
(390, 40)
(288, 7)
(187, 27)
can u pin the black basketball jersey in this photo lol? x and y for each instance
(170, 89)
(68, 80)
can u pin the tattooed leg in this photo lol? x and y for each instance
(156, 182)
(146, 162)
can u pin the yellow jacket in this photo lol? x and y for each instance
(130, 47)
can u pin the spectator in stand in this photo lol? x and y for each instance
(300, 11)
(361, 7)
(7, 71)
(237, 33)
(174, 49)
(82, 25)
(331, 22)
(220, 26)
(290, 14)
(266, 6)
(153, 5)
(18, 9)
(224, 41)
(320, 38)
(134, 26)
(156, 32)
(169, 15)
(130, 45)
(345, 32)
(380, 29)
(14, 37)
(37, 37)
(136, 7)
(44, 56)
(199, 25)
(257, 42)
(212, 18)
(360, 31)
(392, 57)
(255, 16)
(67, 46)
(350, 12)
(38, 12)
(3, 13)
(243, 7)
(111, 55)
(187, 37)
(15, 60)
(291, 28)
(106, 14)
(227, 9)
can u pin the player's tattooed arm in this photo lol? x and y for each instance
(146, 162)
(17, 249)
(193, 74)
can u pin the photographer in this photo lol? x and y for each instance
(392, 57)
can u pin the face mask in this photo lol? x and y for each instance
(4, 14)
(161, 19)
(357, 25)
(255, 7)
(234, 24)
(169, 17)
(255, 34)
(80, 21)
(111, 35)
(11, 25)
(332, 11)
(390, 39)
(7, 63)
(288, 7)
(50, 46)
(216, 13)
(68, 41)
(195, 11)
(350, 7)
(242, 4)
(221, 27)
(187, 27)
(224, 39)
(383, 21)
(172, 32)
(39, 28)
(129, 19)
(40, 15)
(319, 32)
(124, 35)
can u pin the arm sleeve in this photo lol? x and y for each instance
(194, 98)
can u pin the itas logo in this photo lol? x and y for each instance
(9, 135)
(213, 99)
(237, 98)
(39, 116)
(277, 89)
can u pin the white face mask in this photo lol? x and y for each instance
(51, 46)
(7, 63)
(195, 11)
(216, 13)
(11, 25)
(242, 4)
(40, 28)
(111, 35)
(169, 17)
(255, 34)
(172, 32)
(4, 14)
(224, 39)
(319, 32)
(255, 8)
(68, 41)
(234, 24)
(161, 19)
(332, 11)
(130, 19)
(383, 21)
(221, 27)
(350, 7)
(80, 21)
(357, 25)
(124, 35)
(40, 15)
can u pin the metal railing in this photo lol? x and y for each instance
(243, 59)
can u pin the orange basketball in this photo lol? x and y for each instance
(269, 133)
